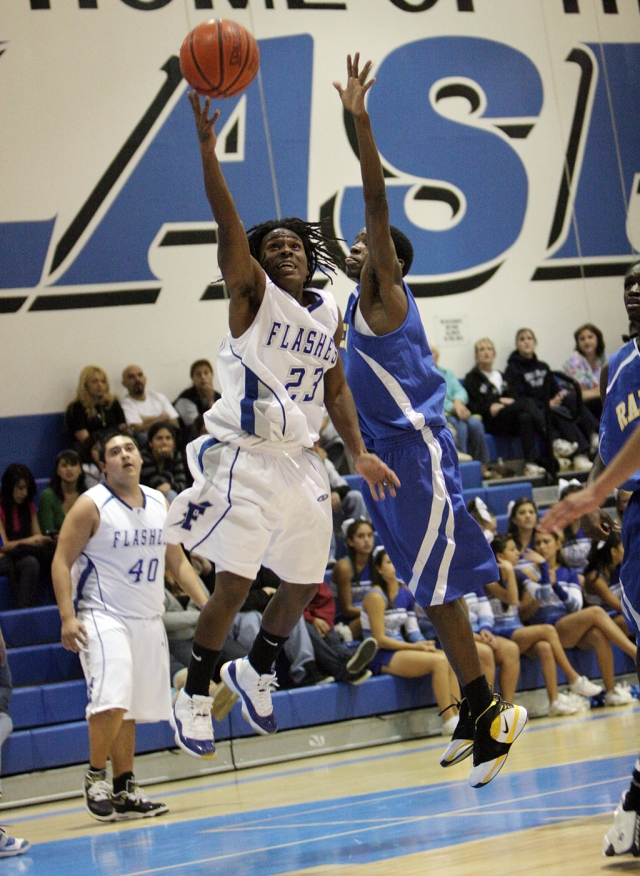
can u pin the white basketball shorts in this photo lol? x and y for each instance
(251, 508)
(126, 665)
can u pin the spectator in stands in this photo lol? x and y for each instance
(527, 376)
(67, 483)
(332, 655)
(523, 516)
(468, 429)
(556, 597)
(94, 407)
(298, 649)
(585, 365)
(335, 448)
(162, 463)
(8, 845)
(502, 414)
(493, 650)
(575, 544)
(26, 552)
(485, 518)
(602, 577)
(198, 398)
(345, 502)
(143, 408)
(388, 615)
(352, 575)
(90, 458)
(538, 641)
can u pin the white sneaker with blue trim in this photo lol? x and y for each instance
(255, 692)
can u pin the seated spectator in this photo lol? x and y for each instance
(502, 414)
(622, 500)
(90, 459)
(485, 518)
(57, 499)
(94, 408)
(493, 650)
(388, 614)
(523, 517)
(197, 398)
(162, 463)
(469, 431)
(6, 692)
(26, 552)
(602, 578)
(142, 408)
(332, 655)
(345, 502)
(575, 544)
(352, 575)
(556, 598)
(298, 649)
(585, 365)
(334, 446)
(526, 374)
(537, 641)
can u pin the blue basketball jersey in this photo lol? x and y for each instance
(621, 413)
(393, 378)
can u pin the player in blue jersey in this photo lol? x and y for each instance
(435, 545)
(618, 464)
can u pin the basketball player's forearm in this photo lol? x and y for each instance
(61, 578)
(373, 185)
(220, 198)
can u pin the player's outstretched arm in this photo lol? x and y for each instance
(382, 264)
(77, 528)
(342, 410)
(621, 467)
(243, 275)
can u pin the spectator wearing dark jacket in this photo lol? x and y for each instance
(502, 413)
(162, 462)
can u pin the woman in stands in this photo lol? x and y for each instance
(528, 378)
(388, 614)
(57, 499)
(602, 578)
(25, 551)
(556, 598)
(353, 575)
(502, 413)
(94, 408)
(162, 463)
(539, 641)
(585, 365)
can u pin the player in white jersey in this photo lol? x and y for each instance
(110, 562)
(261, 496)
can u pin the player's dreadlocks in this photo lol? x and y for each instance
(322, 249)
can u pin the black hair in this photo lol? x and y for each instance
(376, 578)
(55, 483)
(599, 560)
(404, 248)
(12, 475)
(107, 436)
(500, 541)
(513, 529)
(156, 427)
(319, 246)
(351, 531)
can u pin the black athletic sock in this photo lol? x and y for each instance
(632, 797)
(96, 770)
(120, 782)
(203, 662)
(479, 695)
(264, 651)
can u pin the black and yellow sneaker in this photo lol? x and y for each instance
(496, 730)
(132, 803)
(97, 795)
(461, 744)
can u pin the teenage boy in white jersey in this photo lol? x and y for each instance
(110, 559)
(261, 495)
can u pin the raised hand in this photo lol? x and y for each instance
(352, 96)
(378, 475)
(204, 124)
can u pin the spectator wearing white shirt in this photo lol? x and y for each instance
(142, 407)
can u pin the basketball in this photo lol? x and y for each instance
(219, 58)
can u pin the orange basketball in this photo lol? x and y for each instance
(219, 58)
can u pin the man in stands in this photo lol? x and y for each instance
(142, 407)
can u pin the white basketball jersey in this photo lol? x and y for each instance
(121, 568)
(272, 377)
